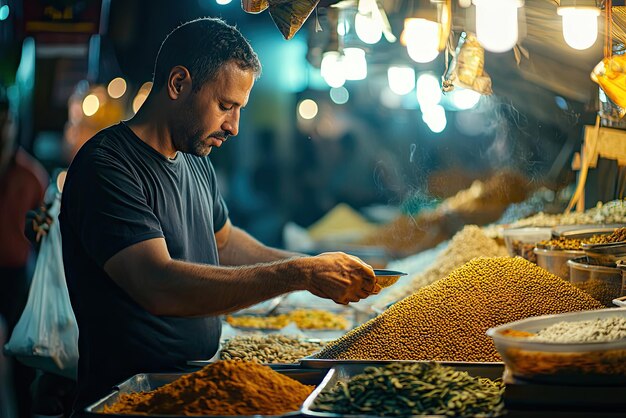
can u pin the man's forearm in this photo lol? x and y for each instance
(242, 249)
(186, 289)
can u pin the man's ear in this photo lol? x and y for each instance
(178, 82)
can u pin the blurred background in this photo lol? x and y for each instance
(76, 67)
(381, 128)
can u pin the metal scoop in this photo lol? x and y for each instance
(385, 278)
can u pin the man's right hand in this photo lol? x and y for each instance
(341, 277)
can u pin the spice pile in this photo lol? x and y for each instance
(315, 319)
(618, 235)
(596, 330)
(482, 203)
(467, 244)
(404, 389)
(613, 212)
(608, 213)
(533, 364)
(571, 244)
(222, 388)
(268, 349)
(447, 320)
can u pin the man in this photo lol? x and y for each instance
(150, 255)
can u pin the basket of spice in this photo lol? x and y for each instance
(579, 348)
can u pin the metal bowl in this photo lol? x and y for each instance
(386, 278)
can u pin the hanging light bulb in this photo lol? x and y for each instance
(427, 29)
(580, 22)
(422, 39)
(401, 79)
(428, 90)
(367, 24)
(496, 23)
(355, 65)
(332, 69)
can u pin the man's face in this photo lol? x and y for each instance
(210, 115)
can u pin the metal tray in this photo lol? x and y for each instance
(149, 381)
(584, 231)
(276, 366)
(487, 369)
(606, 253)
(217, 356)
(343, 372)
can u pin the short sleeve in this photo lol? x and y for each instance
(220, 210)
(106, 206)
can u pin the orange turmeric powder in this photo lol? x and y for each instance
(223, 388)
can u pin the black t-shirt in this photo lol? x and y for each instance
(120, 191)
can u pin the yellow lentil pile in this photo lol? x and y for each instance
(447, 320)
(467, 244)
(222, 388)
(316, 319)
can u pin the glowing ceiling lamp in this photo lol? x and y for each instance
(401, 79)
(355, 65)
(580, 22)
(367, 22)
(496, 23)
(465, 99)
(332, 69)
(428, 90)
(427, 29)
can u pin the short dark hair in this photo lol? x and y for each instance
(203, 46)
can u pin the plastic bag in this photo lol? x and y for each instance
(46, 336)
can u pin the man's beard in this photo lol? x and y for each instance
(201, 146)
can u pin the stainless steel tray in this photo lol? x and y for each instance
(149, 381)
(202, 363)
(493, 370)
(343, 372)
(584, 231)
(217, 356)
(606, 253)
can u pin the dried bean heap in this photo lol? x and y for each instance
(268, 349)
(403, 389)
(469, 243)
(595, 330)
(447, 320)
(618, 235)
(561, 243)
(613, 212)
